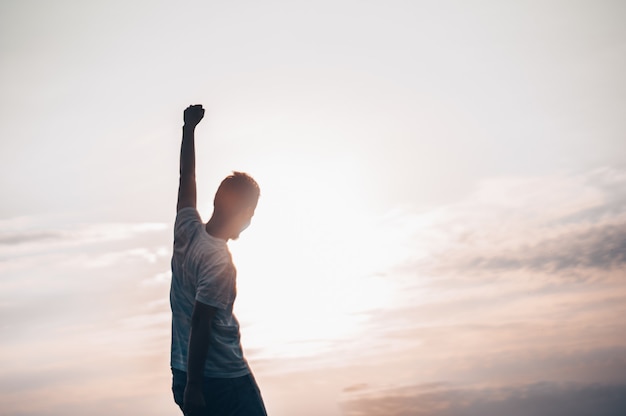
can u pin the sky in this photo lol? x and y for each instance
(442, 222)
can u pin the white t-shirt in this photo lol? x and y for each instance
(203, 271)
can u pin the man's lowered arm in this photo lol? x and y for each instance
(201, 319)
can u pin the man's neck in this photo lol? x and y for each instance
(217, 228)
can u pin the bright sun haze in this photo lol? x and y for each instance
(314, 250)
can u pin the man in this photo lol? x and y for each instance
(210, 373)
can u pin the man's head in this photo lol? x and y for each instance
(235, 201)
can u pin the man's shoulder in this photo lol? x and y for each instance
(187, 220)
(187, 214)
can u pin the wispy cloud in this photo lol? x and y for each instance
(515, 400)
(520, 283)
(12, 239)
(602, 247)
(555, 226)
(75, 312)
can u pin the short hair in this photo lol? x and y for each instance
(237, 191)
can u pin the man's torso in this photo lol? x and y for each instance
(202, 270)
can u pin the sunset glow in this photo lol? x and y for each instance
(442, 222)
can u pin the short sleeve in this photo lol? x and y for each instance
(187, 217)
(186, 224)
(216, 284)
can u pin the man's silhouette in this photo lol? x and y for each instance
(210, 374)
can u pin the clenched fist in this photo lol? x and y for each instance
(193, 114)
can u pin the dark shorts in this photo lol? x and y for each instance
(238, 396)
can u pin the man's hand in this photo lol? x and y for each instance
(193, 114)
(193, 401)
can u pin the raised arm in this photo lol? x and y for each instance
(187, 183)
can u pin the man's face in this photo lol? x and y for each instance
(243, 221)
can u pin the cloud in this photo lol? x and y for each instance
(14, 239)
(70, 287)
(522, 279)
(481, 289)
(27, 242)
(564, 227)
(355, 387)
(521, 269)
(602, 247)
(518, 400)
